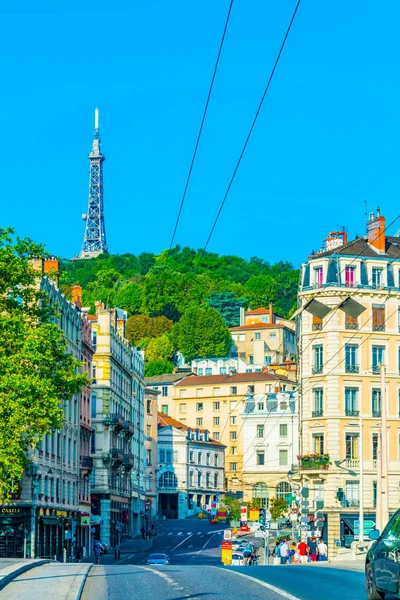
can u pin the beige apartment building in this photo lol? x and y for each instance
(150, 431)
(216, 403)
(349, 323)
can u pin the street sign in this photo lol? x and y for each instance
(369, 524)
(317, 533)
(319, 515)
(259, 534)
(227, 534)
(267, 515)
(320, 523)
(303, 519)
(267, 525)
(305, 492)
(293, 516)
(305, 503)
(319, 504)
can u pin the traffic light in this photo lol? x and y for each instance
(340, 494)
(261, 518)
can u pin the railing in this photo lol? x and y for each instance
(316, 326)
(117, 454)
(351, 326)
(87, 462)
(114, 419)
(129, 461)
(129, 428)
(317, 413)
(350, 412)
(374, 463)
(314, 462)
(376, 413)
(352, 463)
(378, 327)
(316, 370)
(376, 369)
(351, 368)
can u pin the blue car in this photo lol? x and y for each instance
(157, 559)
(382, 565)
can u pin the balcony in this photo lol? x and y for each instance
(351, 326)
(352, 368)
(352, 463)
(116, 454)
(315, 462)
(378, 327)
(87, 462)
(376, 369)
(317, 370)
(376, 413)
(129, 461)
(316, 326)
(317, 413)
(349, 412)
(129, 428)
(114, 420)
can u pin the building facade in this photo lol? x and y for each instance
(190, 469)
(270, 444)
(216, 403)
(349, 324)
(165, 385)
(151, 424)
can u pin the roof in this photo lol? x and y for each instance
(167, 378)
(167, 421)
(258, 326)
(231, 379)
(360, 247)
(257, 311)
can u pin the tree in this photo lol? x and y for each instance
(36, 374)
(202, 333)
(139, 327)
(160, 348)
(228, 306)
(233, 506)
(158, 367)
(278, 507)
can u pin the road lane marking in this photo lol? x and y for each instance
(191, 546)
(180, 533)
(124, 559)
(199, 533)
(273, 588)
(170, 533)
(182, 542)
(201, 549)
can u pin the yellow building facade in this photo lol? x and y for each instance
(341, 348)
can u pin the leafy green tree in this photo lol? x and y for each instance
(160, 348)
(228, 306)
(158, 367)
(139, 327)
(233, 506)
(202, 333)
(36, 374)
(129, 297)
(278, 507)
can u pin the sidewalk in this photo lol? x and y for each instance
(128, 548)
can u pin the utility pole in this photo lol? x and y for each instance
(384, 498)
(361, 517)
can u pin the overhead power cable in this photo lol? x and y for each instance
(201, 127)
(253, 124)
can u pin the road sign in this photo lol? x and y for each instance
(267, 515)
(226, 553)
(369, 524)
(226, 545)
(267, 525)
(305, 492)
(303, 519)
(317, 533)
(293, 516)
(305, 503)
(227, 534)
(259, 534)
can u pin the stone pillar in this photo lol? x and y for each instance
(333, 532)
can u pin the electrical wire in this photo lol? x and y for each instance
(201, 127)
(253, 124)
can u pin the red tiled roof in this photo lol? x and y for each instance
(257, 326)
(257, 311)
(167, 421)
(360, 247)
(235, 378)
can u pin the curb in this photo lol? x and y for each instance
(77, 594)
(15, 571)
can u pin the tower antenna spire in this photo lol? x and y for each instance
(94, 239)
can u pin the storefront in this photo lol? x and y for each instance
(55, 532)
(350, 527)
(15, 526)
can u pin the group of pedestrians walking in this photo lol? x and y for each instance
(291, 554)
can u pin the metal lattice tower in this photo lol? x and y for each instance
(94, 240)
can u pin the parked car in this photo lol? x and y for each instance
(157, 559)
(382, 564)
(236, 544)
(238, 559)
(103, 546)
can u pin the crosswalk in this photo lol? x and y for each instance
(200, 533)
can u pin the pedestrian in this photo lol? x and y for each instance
(97, 552)
(322, 551)
(117, 551)
(143, 532)
(276, 554)
(303, 551)
(312, 545)
(292, 554)
(284, 552)
(153, 530)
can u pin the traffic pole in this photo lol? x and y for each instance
(384, 454)
(361, 536)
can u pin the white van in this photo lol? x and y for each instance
(238, 559)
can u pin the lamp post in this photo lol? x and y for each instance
(290, 478)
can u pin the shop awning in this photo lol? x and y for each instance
(50, 520)
(95, 519)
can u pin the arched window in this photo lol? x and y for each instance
(168, 480)
(283, 490)
(260, 492)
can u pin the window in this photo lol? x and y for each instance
(272, 336)
(318, 359)
(182, 408)
(215, 480)
(378, 318)
(93, 405)
(351, 402)
(199, 458)
(376, 402)
(217, 391)
(216, 436)
(242, 337)
(191, 478)
(164, 390)
(283, 430)
(222, 370)
(164, 409)
(350, 276)
(319, 490)
(148, 456)
(200, 371)
(374, 446)
(216, 421)
(168, 480)
(168, 456)
(283, 458)
(199, 406)
(191, 456)
(376, 277)
(216, 460)
(208, 371)
(283, 490)
(316, 323)
(148, 407)
(208, 459)
(182, 393)
(260, 405)
(199, 422)
(216, 406)
(250, 389)
(260, 457)
(318, 402)
(233, 390)
(352, 493)
(257, 335)
(260, 492)
(378, 358)
(318, 443)
(148, 431)
(232, 435)
(352, 446)
(251, 359)
(233, 450)
(233, 420)
(199, 392)
(350, 322)
(94, 372)
(260, 431)
(350, 358)
(318, 277)
(208, 480)
(233, 405)
(94, 339)
(233, 466)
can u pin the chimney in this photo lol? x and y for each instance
(241, 316)
(51, 268)
(121, 327)
(76, 295)
(271, 313)
(99, 306)
(376, 232)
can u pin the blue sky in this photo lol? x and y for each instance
(328, 137)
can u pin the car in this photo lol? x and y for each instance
(238, 559)
(236, 544)
(382, 563)
(157, 559)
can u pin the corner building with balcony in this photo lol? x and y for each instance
(117, 385)
(348, 324)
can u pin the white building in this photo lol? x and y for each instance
(270, 444)
(218, 366)
(191, 469)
